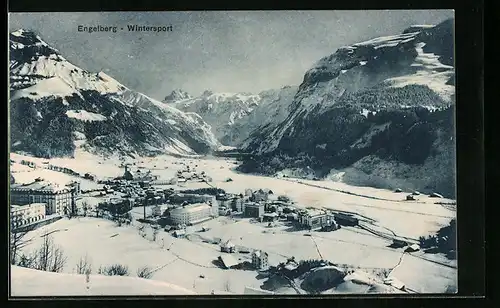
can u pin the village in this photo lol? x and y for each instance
(190, 206)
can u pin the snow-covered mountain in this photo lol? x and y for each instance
(273, 108)
(176, 95)
(57, 106)
(233, 116)
(383, 108)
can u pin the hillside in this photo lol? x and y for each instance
(56, 107)
(376, 113)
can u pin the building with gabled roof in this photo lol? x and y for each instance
(260, 259)
(128, 175)
(228, 261)
(228, 246)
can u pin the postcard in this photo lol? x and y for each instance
(232, 153)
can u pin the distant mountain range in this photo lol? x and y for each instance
(57, 107)
(376, 113)
(234, 116)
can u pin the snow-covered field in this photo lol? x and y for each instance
(182, 261)
(28, 282)
(388, 208)
(176, 261)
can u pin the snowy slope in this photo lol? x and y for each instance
(378, 64)
(52, 101)
(29, 282)
(402, 82)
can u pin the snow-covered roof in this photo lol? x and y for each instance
(312, 213)
(191, 208)
(271, 214)
(39, 186)
(291, 266)
(27, 205)
(394, 282)
(228, 244)
(253, 204)
(259, 253)
(414, 247)
(228, 260)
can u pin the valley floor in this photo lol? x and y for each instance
(183, 262)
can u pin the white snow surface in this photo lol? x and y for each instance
(55, 65)
(220, 109)
(67, 73)
(346, 246)
(431, 73)
(387, 41)
(53, 86)
(84, 115)
(29, 282)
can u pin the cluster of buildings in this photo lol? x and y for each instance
(260, 259)
(314, 219)
(136, 188)
(138, 176)
(190, 174)
(31, 202)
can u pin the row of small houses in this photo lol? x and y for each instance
(65, 170)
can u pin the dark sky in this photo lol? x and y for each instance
(219, 51)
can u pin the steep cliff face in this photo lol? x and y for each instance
(56, 107)
(378, 111)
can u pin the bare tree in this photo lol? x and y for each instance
(49, 257)
(17, 239)
(84, 266)
(58, 260)
(27, 261)
(44, 254)
(145, 272)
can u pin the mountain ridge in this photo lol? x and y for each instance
(233, 116)
(93, 111)
(388, 99)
